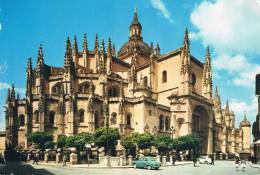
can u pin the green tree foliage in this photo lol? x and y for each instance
(61, 142)
(186, 142)
(40, 139)
(163, 143)
(79, 140)
(101, 136)
(129, 145)
(144, 141)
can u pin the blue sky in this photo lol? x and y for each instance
(230, 28)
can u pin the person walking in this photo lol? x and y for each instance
(237, 163)
(35, 159)
(194, 160)
(64, 159)
(212, 159)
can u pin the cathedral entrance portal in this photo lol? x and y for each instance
(200, 122)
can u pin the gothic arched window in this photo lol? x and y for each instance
(128, 120)
(81, 116)
(161, 123)
(52, 117)
(164, 76)
(113, 91)
(96, 120)
(145, 80)
(21, 120)
(167, 123)
(36, 116)
(113, 118)
(84, 87)
(57, 89)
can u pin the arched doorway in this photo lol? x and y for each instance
(200, 126)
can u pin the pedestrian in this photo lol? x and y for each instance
(64, 159)
(212, 159)
(237, 163)
(194, 161)
(173, 160)
(35, 158)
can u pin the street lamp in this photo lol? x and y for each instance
(88, 147)
(173, 131)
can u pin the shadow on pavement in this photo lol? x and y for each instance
(20, 168)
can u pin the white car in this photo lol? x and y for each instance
(204, 159)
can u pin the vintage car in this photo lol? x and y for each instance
(204, 159)
(147, 162)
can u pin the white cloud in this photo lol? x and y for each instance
(5, 86)
(238, 66)
(239, 107)
(159, 5)
(232, 29)
(228, 25)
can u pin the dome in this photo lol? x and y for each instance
(128, 48)
(135, 41)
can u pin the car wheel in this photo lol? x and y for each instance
(135, 166)
(157, 168)
(149, 167)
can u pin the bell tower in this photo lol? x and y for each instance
(135, 28)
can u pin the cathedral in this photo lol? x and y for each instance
(137, 89)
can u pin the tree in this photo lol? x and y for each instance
(163, 143)
(129, 145)
(41, 139)
(61, 141)
(101, 137)
(144, 141)
(79, 140)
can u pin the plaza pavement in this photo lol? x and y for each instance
(220, 168)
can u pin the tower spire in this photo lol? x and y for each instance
(109, 48)
(216, 92)
(75, 46)
(40, 60)
(114, 50)
(227, 106)
(135, 28)
(85, 43)
(68, 57)
(96, 44)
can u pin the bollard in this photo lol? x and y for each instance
(130, 160)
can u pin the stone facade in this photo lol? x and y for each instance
(227, 138)
(137, 89)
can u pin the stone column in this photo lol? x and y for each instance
(220, 156)
(163, 160)
(181, 156)
(58, 157)
(73, 156)
(46, 156)
(226, 156)
(214, 156)
(130, 160)
(158, 158)
(122, 161)
(28, 157)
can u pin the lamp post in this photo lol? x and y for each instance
(173, 131)
(88, 147)
(107, 127)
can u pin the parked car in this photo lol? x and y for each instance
(204, 159)
(147, 162)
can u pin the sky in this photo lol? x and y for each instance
(230, 28)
